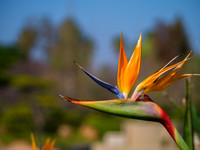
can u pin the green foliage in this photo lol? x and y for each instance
(46, 100)
(70, 45)
(147, 46)
(102, 122)
(27, 39)
(170, 40)
(196, 120)
(18, 119)
(188, 126)
(56, 116)
(75, 140)
(8, 56)
(5, 78)
(27, 83)
(195, 116)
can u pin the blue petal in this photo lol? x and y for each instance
(111, 88)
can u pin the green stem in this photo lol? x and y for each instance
(180, 141)
(167, 123)
(188, 129)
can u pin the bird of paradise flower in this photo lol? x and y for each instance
(47, 145)
(139, 105)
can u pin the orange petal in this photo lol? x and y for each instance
(180, 66)
(167, 80)
(169, 62)
(133, 67)
(121, 65)
(52, 145)
(148, 82)
(33, 142)
(45, 147)
(163, 83)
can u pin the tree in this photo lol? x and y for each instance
(70, 45)
(27, 38)
(170, 40)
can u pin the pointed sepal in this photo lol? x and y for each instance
(128, 71)
(103, 84)
(133, 67)
(154, 83)
(121, 66)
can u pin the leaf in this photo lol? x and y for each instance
(188, 127)
(196, 120)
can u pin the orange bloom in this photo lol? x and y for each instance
(128, 72)
(47, 146)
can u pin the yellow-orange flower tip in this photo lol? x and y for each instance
(51, 145)
(121, 65)
(70, 99)
(139, 43)
(47, 146)
(180, 65)
(170, 62)
(33, 142)
(152, 83)
(67, 98)
(61, 96)
(128, 71)
(166, 81)
(78, 65)
(133, 67)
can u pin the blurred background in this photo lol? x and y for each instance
(39, 40)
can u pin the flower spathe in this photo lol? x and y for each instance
(142, 109)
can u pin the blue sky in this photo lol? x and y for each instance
(102, 20)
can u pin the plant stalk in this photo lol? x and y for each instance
(188, 128)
